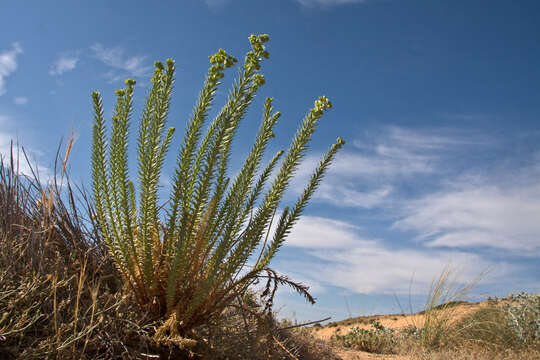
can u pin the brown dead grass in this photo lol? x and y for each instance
(468, 353)
(459, 354)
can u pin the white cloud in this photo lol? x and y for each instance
(384, 161)
(429, 139)
(127, 65)
(313, 232)
(345, 195)
(458, 208)
(366, 174)
(401, 152)
(8, 64)
(484, 214)
(65, 62)
(20, 100)
(376, 269)
(344, 258)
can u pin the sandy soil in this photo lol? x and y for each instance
(391, 321)
(360, 355)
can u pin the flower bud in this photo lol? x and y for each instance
(159, 65)
(259, 79)
(130, 82)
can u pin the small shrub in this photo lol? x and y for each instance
(379, 339)
(187, 264)
(523, 317)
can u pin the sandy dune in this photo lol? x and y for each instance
(396, 321)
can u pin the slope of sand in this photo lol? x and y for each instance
(397, 321)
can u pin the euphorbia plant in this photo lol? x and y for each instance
(186, 260)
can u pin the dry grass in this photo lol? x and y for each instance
(61, 297)
(477, 353)
(59, 294)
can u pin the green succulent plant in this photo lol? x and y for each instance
(186, 260)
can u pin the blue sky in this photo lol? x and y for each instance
(438, 101)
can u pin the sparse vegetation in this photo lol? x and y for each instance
(449, 329)
(378, 339)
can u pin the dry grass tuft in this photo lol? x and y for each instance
(59, 294)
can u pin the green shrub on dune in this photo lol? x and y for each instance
(186, 261)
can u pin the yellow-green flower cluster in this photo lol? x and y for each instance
(159, 74)
(160, 67)
(258, 80)
(130, 83)
(339, 143)
(254, 57)
(321, 104)
(220, 61)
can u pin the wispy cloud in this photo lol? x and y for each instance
(65, 62)
(322, 233)
(487, 213)
(121, 64)
(20, 100)
(368, 173)
(8, 64)
(430, 186)
(346, 259)
(345, 195)
(402, 152)
(434, 190)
